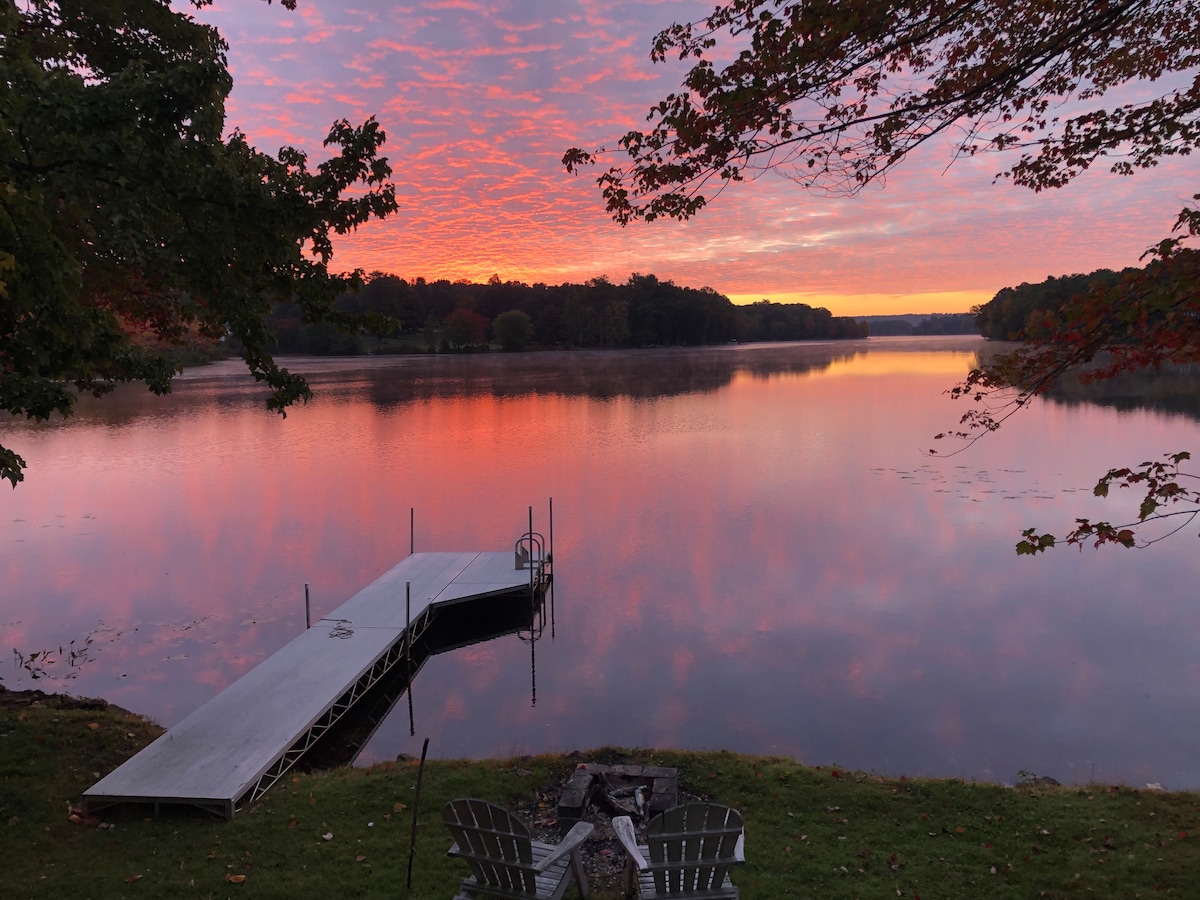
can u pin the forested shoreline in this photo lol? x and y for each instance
(645, 311)
(1018, 313)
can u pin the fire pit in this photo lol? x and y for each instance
(635, 791)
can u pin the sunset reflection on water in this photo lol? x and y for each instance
(752, 551)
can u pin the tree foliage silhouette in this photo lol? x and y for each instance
(835, 94)
(129, 222)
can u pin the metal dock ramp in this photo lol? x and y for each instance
(233, 748)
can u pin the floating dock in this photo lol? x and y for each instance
(228, 752)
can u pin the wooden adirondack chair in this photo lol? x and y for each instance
(687, 854)
(505, 861)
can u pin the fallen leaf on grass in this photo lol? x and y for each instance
(359, 858)
(94, 726)
(327, 836)
(133, 878)
(235, 879)
(399, 807)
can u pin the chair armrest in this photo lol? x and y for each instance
(579, 833)
(623, 826)
(739, 849)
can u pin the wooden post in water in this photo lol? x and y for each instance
(307, 608)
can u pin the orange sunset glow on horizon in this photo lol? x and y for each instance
(480, 99)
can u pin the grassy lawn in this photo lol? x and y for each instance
(810, 832)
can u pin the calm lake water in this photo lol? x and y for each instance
(752, 552)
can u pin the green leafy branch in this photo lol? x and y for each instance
(1163, 493)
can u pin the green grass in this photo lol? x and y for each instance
(810, 832)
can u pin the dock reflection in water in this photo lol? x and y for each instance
(455, 627)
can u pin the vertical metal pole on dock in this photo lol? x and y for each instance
(307, 608)
(551, 568)
(533, 565)
(533, 613)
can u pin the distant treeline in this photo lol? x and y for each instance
(444, 316)
(935, 323)
(1006, 317)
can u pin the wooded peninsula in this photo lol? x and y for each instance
(445, 316)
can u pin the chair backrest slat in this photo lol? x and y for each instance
(692, 846)
(496, 845)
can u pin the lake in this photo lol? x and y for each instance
(752, 551)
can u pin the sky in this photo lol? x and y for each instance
(481, 98)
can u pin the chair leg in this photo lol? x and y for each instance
(580, 874)
(630, 881)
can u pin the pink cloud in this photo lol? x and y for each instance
(477, 121)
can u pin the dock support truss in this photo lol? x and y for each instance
(396, 653)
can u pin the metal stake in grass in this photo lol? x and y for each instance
(412, 842)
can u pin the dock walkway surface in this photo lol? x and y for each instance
(235, 746)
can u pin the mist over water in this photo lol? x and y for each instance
(752, 551)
